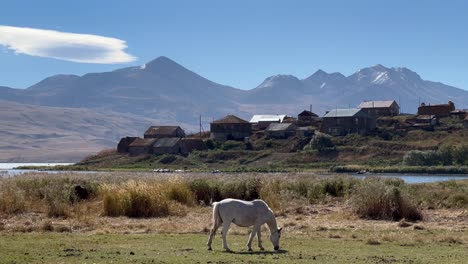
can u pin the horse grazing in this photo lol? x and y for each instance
(245, 214)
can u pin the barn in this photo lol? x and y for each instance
(167, 146)
(124, 144)
(141, 146)
(164, 132)
(230, 127)
(340, 122)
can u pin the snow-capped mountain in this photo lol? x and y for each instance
(164, 90)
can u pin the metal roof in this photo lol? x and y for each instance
(278, 126)
(166, 142)
(343, 112)
(376, 104)
(267, 118)
(142, 142)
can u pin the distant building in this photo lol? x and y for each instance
(308, 118)
(306, 115)
(344, 121)
(280, 130)
(459, 114)
(141, 146)
(164, 132)
(124, 143)
(438, 110)
(380, 108)
(167, 146)
(230, 127)
(191, 144)
(260, 122)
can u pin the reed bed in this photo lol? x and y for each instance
(147, 195)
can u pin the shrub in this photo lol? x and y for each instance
(135, 199)
(374, 199)
(11, 198)
(206, 191)
(460, 154)
(323, 144)
(210, 144)
(270, 193)
(167, 159)
(232, 144)
(445, 153)
(421, 158)
(179, 191)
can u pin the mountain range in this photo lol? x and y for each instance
(127, 100)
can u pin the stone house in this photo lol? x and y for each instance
(438, 110)
(141, 146)
(230, 127)
(164, 132)
(339, 122)
(380, 108)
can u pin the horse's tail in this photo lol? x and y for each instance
(216, 215)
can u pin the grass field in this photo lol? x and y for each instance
(164, 218)
(190, 248)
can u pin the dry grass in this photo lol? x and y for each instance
(128, 203)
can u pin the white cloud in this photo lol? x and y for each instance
(73, 47)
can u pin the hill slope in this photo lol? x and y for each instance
(44, 134)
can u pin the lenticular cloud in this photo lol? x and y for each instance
(73, 47)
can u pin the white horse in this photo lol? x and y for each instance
(245, 214)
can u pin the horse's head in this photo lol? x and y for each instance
(275, 238)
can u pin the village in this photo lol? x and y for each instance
(368, 118)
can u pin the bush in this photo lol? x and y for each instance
(374, 199)
(12, 200)
(135, 199)
(210, 144)
(179, 191)
(445, 153)
(167, 159)
(323, 144)
(206, 191)
(233, 145)
(460, 154)
(421, 158)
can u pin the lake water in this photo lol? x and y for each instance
(7, 170)
(412, 178)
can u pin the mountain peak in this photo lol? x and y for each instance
(161, 61)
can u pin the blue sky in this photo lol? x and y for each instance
(241, 42)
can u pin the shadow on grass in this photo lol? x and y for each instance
(281, 251)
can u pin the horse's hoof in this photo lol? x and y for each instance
(228, 250)
(262, 249)
(209, 249)
(249, 249)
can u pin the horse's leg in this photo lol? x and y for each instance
(259, 237)
(224, 233)
(213, 230)
(252, 235)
